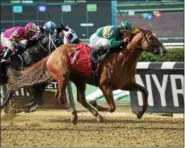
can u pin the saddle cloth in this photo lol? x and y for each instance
(80, 60)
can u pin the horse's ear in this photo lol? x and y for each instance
(67, 26)
(64, 28)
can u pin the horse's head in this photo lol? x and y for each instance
(150, 43)
(147, 41)
(69, 36)
(51, 40)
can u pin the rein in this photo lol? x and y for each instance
(51, 41)
(43, 47)
(143, 36)
(137, 46)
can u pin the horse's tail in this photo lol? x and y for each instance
(35, 74)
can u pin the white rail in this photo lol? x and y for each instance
(173, 45)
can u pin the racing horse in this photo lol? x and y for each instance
(35, 51)
(116, 71)
(33, 54)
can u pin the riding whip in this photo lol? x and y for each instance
(120, 14)
(48, 15)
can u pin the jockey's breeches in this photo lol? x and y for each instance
(6, 42)
(97, 42)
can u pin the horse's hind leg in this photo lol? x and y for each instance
(61, 88)
(61, 75)
(137, 87)
(82, 100)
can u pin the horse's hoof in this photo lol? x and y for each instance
(27, 110)
(32, 109)
(30, 104)
(74, 120)
(6, 110)
(99, 118)
(139, 115)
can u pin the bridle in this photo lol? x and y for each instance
(144, 35)
(151, 46)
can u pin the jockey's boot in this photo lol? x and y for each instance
(99, 54)
(7, 54)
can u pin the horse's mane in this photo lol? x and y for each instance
(135, 31)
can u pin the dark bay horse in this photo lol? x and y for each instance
(117, 71)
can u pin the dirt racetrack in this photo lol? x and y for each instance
(53, 128)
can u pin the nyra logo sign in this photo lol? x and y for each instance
(165, 89)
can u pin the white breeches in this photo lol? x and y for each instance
(9, 44)
(96, 42)
(6, 42)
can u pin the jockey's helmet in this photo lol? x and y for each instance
(50, 25)
(31, 29)
(126, 25)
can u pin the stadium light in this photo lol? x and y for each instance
(27, 1)
(41, 8)
(15, 1)
(157, 14)
(17, 9)
(149, 17)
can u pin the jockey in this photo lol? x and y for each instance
(11, 36)
(54, 30)
(51, 26)
(108, 37)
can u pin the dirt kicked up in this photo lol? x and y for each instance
(53, 128)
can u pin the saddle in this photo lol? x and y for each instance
(81, 61)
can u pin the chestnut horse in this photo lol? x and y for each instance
(117, 71)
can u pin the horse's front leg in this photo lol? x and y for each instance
(109, 98)
(107, 92)
(137, 87)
